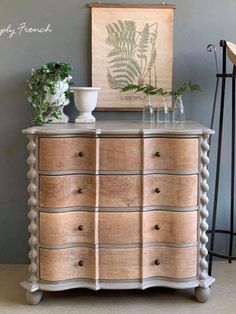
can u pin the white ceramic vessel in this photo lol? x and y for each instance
(85, 101)
(59, 98)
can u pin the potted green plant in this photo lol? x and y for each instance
(49, 90)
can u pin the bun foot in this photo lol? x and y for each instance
(33, 298)
(202, 294)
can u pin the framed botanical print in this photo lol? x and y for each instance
(131, 44)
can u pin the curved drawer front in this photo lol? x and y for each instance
(171, 154)
(67, 153)
(117, 264)
(68, 227)
(170, 262)
(170, 190)
(118, 190)
(170, 227)
(66, 191)
(63, 264)
(120, 154)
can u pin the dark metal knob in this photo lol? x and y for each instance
(157, 227)
(80, 227)
(157, 262)
(80, 154)
(157, 190)
(81, 263)
(81, 190)
(158, 154)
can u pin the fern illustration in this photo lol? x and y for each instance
(129, 58)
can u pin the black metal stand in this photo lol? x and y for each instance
(223, 76)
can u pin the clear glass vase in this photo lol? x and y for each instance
(163, 111)
(148, 112)
(178, 114)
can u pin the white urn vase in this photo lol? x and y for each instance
(85, 101)
(59, 99)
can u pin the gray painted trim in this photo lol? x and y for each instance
(114, 172)
(113, 284)
(121, 128)
(117, 246)
(118, 209)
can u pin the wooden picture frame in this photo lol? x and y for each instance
(131, 43)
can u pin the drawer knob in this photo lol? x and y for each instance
(157, 227)
(157, 262)
(80, 154)
(81, 190)
(158, 154)
(80, 227)
(157, 190)
(81, 263)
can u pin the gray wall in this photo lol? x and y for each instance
(197, 23)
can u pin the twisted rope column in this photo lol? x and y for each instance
(32, 215)
(203, 264)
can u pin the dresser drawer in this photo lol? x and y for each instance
(171, 154)
(64, 264)
(68, 227)
(170, 227)
(67, 153)
(66, 191)
(170, 190)
(120, 154)
(177, 263)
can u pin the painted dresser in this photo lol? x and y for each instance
(118, 205)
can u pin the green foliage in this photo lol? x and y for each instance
(128, 57)
(146, 89)
(152, 90)
(185, 87)
(42, 78)
(123, 67)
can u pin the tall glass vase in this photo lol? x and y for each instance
(148, 112)
(163, 111)
(179, 114)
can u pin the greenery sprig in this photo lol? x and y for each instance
(152, 90)
(185, 87)
(146, 89)
(42, 79)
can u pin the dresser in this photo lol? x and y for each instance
(118, 205)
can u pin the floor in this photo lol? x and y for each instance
(155, 300)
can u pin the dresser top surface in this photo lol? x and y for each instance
(108, 127)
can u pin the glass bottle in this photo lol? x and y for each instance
(178, 114)
(163, 111)
(148, 112)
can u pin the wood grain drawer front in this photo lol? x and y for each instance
(66, 191)
(170, 190)
(64, 264)
(68, 227)
(177, 263)
(119, 264)
(170, 227)
(67, 153)
(119, 228)
(120, 154)
(171, 153)
(119, 190)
